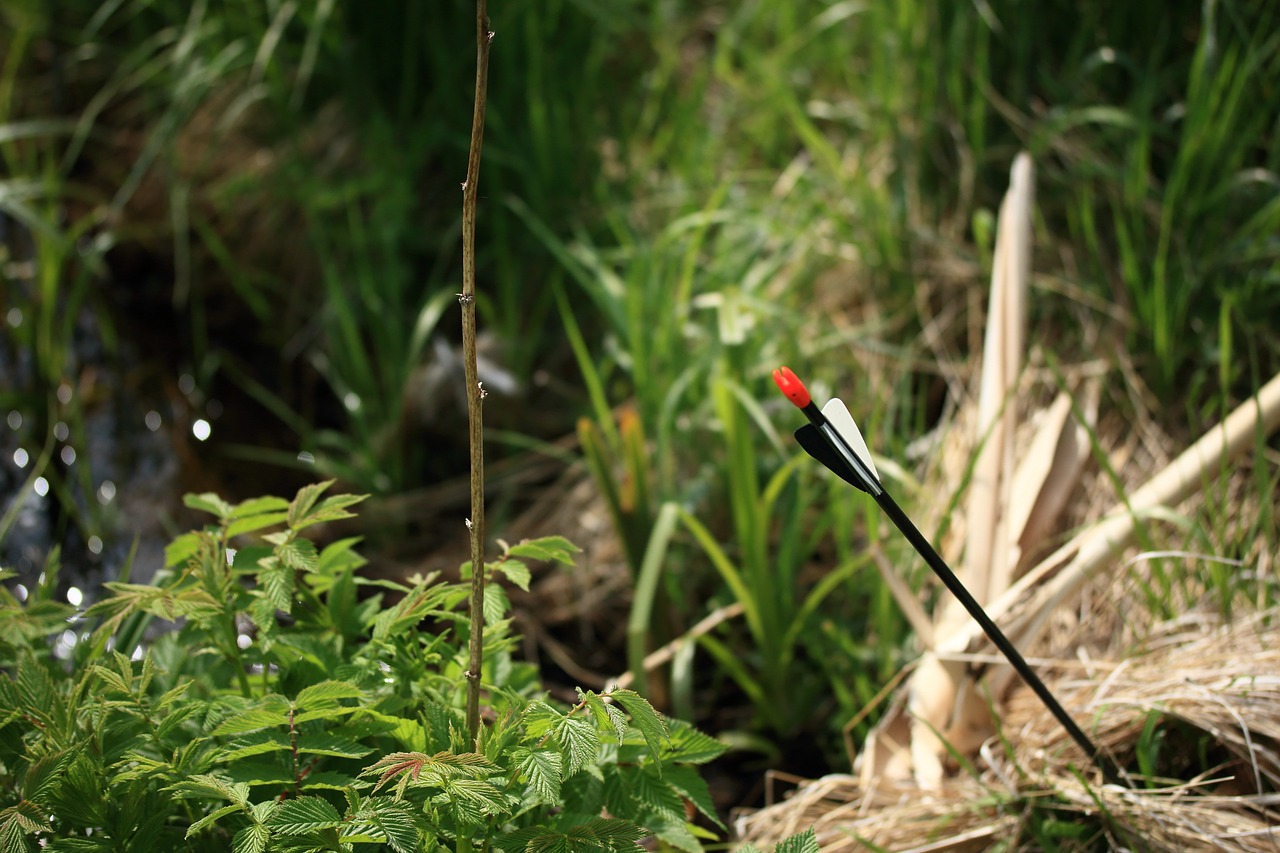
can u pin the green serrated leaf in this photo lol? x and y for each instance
(43, 774)
(327, 743)
(690, 746)
(395, 820)
(690, 784)
(326, 694)
(323, 714)
(495, 605)
(276, 584)
(805, 842)
(651, 725)
(328, 780)
(339, 557)
(183, 548)
(330, 509)
(476, 796)
(113, 679)
(27, 816)
(252, 839)
(252, 523)
(305, 500)
(259, 506)
(36, 691)
(262, 810)
(651, 793)
(675, 832)
(212, 818)
(548, 548)
(210, 787)
(417, 603)
(607, 715)
(598, 834)
(256, 773)
(304, 815)
(516, 572)
(210, 503)
(12, 836)
(270, 710)
(544, 771)
(580, 739)
(298, 554)
(305, 511)
(259, 743)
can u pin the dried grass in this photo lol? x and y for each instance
(1212, 689)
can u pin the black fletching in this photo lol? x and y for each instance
(816, 446)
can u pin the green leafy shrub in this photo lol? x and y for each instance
(297, 706)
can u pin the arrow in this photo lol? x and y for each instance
(832, 437)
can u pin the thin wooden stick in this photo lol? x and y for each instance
(475, 393)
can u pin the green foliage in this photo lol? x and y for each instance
(804, 842)
(297, 706)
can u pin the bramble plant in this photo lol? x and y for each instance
(297, 706)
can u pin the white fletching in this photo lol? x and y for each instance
(837, 413)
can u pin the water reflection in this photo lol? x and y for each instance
(68, 455)
(20, 458)
(152, 420)
(201, 429)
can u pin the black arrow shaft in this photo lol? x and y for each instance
(992, 630)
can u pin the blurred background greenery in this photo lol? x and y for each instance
(229, 244)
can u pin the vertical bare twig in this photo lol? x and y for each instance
(475, 394)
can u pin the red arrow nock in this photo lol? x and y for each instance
(788, 383)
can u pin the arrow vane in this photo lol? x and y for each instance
(832, 437)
